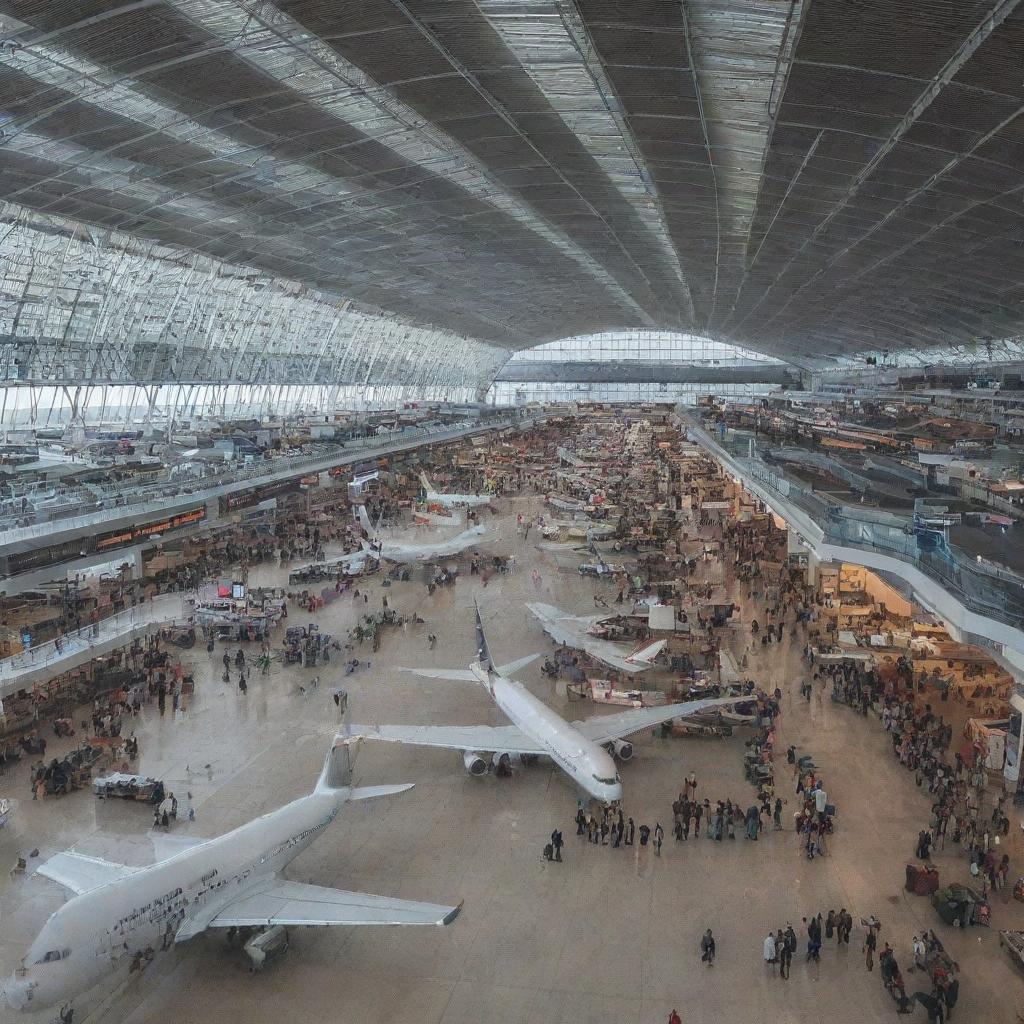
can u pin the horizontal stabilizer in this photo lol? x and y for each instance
(372, 792)
(647, 654)
(462, 675)
(515, 666)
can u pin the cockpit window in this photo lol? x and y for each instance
(54, 954)
(606, 782)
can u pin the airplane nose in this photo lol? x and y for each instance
(17, 992)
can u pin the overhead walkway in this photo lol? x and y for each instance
(981, 602)
(76, 648)
(173, 499)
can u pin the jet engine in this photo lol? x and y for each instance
(501, 762)
(476, 764)
(622, 750)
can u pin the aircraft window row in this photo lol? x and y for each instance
(54, 954)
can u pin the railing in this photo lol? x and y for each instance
(123, 503)
(160, 611)
(985, 588)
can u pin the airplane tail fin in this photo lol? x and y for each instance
(483, 653)
(428, 489)
(341, 758)
(364, 519)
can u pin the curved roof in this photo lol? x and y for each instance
(807, 179)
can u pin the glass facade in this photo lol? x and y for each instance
(666, 347)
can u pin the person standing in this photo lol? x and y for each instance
(707, 948)
(786, 954)
(814, 938)
(769, 951)
(659, 837)
(630, 832)
(556, 844)
(691, 785)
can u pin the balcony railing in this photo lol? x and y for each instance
(988, 589)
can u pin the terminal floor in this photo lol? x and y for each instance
(609, 936)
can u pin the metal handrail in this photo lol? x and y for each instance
(993, 591)
(162, 609)
(258, 471)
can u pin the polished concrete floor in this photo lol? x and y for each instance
(609, 936)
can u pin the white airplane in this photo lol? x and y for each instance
(583, 750)
(452, 500)
(353, 563)
(394, 552)
(564, 628)
(118, 912)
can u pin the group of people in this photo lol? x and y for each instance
(612, 828)
(781, 944)
(720, 820)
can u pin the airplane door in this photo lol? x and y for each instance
(110, 946)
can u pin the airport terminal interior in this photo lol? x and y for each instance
(510, 511)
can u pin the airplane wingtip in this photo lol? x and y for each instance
(452, 914)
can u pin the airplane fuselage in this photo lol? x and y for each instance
(94, 933)
(424, 552)
(587, 763)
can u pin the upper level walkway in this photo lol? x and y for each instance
(70, 650)
(981, 601)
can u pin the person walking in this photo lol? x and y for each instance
(556, 844)
(707, 948)
(659, 837)
(870, 945)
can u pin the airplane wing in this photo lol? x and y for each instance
(295, 903)
(80, 874)
(602, 728)
(454, 737)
